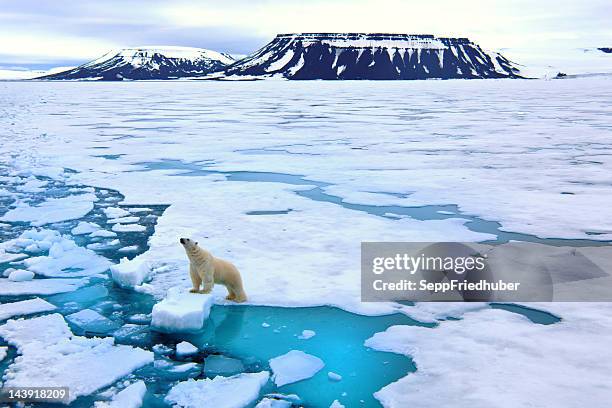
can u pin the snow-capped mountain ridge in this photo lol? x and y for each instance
(373, 56)
(152, 62)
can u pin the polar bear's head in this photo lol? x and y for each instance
(188, 244)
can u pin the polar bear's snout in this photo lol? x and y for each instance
(182, 241)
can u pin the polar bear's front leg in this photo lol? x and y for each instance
(208, 281)
(195, 279)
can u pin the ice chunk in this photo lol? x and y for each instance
(130, 273)
(336, 404)
(3, 352)
(334, 376)
(51, 356)
(222, 365)
(39, 286)
(139, 210)
(123, 220)
(184, 349)
(6, 257)
(21, 275)
(24, 307)
(129, 397)
(98, 246)
(52, 210)
(85, 228)
(103, 234)
(273, 403)
(129, 228)
(294, 366)
(307, 334)
(88, 320)
(115, 212)
(221, 392)
(131, 248)
(181, 311)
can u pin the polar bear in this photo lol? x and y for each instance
(208, 270)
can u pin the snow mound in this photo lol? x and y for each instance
(130, 273)
(221, 392)
(184, 349)
(294, 366)
(21, 275)
(52, 356)
(24, 307)
(181, 311)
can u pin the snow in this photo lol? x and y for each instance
(184, 349)
(273, 403)
(52, 210)
(3, 352)
(307, 334)
(221, 392)
(103, 234)
(181, 311)
(123, 220)
(50, 355)
(115, 212)
(20, 275)
(294, 366)
(24, 307)
(504, 360)
(130, 397)
(131, 248)
(128, 228)
(130, 273)
(39, 286)
(85, 228)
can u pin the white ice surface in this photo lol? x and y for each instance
(52, 210)
(24, 307)
(21, 275)
(294, 366)
(273, 403)
(184, 349)
(221, 392)
(307, 334)
(40, 286)
(128, 228)
(130, 397)
(85, 228)
(3, 352)
(130, 273)
(181, 311)
(50, 355)
(504, 360)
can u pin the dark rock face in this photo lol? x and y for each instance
(373, 56)
(149, 63)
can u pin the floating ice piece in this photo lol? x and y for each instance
(181, 311)
(3, 352)
(273, 403)
(129, 228)
(52, 210)
(334, 376)
(307, 334)
(123, 220)
(182, 368)
(100, 246)
(129, 397)
(184, 349)
(103, 234)
(265, 325)
(222, 365)
(39, 286)
(294, 366)
(52, 356)
(66, 259)
(24, 307)
(85, 228)
(21, 275)
(161, 349)
(131, 248)
(88, 320)
(115, 212)
(336, 404)
(131, 333)
(139, 210)
(140, 318)
(130, 273)
(6, 257)
(220, 392)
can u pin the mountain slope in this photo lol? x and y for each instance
(372, 56)
(149, 63)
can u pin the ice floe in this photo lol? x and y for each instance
(50, 355)
(222, 365)
(307, 334)
(130, 397)
(3, 352)
(84, 227)
(130, 273)
(220, 392)
(40, 286)
(20, 275)
(52, 210)
(24, 307)
(294, 366)
(184, 349)
(88, 320)
(181, 311)
(129, 228)
(115, 212)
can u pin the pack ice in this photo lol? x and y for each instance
(181, 311)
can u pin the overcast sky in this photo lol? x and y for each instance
(51, 33)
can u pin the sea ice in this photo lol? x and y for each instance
(103, 234)
(24, 307)
(273, 403)
(115, 212)
(85, 228)
(181, 311)
(3, 352)
(307, 334)
(184, 349)
(130, 273)
(334, 376)
(222, 365)
(130, 397)
(129, 228)
(51, 356)
(131, 248)
(52, 210)
(294, 366)
(220, 392)
(39, 286)
(88, 320)
(336, 404)
(21, 275)
(123, 220)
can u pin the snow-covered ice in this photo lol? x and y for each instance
(129, 228)
(115, 212)
(273, 403)
(88, 320)
(220, 392)
(184, 349)
(130, 397)
(3, 352)
(181, 311)
(130, 273)
(294, 366)
(24, 307)
(52, 210)
(84, 227)
(21, 275)
(50, 355)
(40, 286)
(307, 334)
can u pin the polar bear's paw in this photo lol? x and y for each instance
(194, 290)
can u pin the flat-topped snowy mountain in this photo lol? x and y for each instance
(372, 56)
(149, 63)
